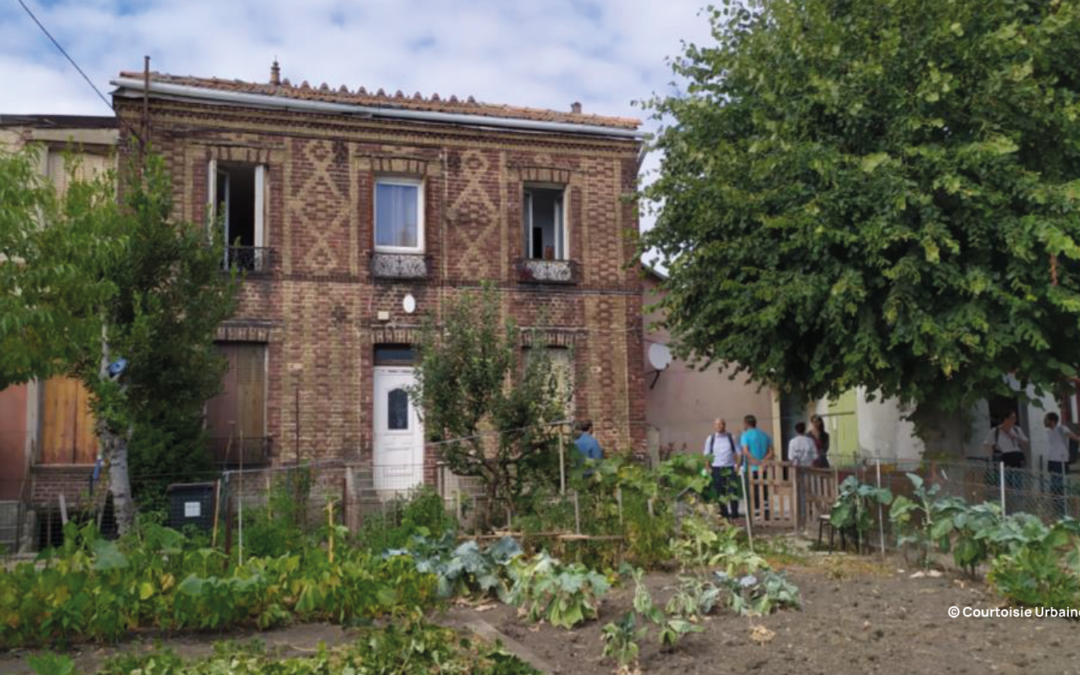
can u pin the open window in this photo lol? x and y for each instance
(545, 224)
(239, 198)
(399, 215)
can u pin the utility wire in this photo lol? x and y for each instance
(67, 56)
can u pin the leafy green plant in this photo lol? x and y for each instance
(851, 511)
(671, 628)
(96, 589)
(758, 595)
(563, 595)
(465, 569)
(621, 643)
(51, 664)
(704, 544)
(927, 521)
(693, 598)
(1041, 567)
(420, 514)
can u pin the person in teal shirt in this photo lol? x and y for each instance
(757, 449)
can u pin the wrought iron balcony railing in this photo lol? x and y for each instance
(407, 266)
(251, 259)
(535, 271)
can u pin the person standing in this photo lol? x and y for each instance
(587, 445)
(820, 437)
(802, 451)
(1005, 445)
(1057, 458)
(757, 449)
(724, 453)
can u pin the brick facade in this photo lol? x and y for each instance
(318, 309)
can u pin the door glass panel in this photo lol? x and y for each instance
(397, 410)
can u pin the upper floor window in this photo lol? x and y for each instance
(238, 191)
(399, 215)
(545, 224)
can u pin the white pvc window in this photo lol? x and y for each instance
(545, 224)
(399, 215)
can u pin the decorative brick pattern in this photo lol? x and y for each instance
(318, 311)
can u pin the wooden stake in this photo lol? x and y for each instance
(217, 509)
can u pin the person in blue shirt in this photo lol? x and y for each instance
(757, 449)
(586, 444)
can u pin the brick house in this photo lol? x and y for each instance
(357, 214)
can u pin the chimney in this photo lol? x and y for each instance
(575, 107)
(275, 74)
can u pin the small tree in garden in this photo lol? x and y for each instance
(491, 407)
(877, 194)
(170, 296)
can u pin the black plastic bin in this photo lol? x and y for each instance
(191, 504)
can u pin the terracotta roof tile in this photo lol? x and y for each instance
(360, 96)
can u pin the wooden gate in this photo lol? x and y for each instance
(67, 425)
(771, 498)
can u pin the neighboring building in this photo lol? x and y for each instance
(355, 215)
(681, 401)
(47, 441)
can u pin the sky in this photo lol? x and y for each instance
(607, 54)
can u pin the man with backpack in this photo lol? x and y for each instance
(720, 447)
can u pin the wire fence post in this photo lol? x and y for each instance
(749, 510)
(1001, 482)
(618, 499)
(562, 464)
(880, 510)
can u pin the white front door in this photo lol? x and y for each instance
(399, 436)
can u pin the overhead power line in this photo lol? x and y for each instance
(66, 55)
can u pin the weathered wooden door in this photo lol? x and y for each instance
(240, 409)
(67, 425)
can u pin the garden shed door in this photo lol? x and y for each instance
(399, 436)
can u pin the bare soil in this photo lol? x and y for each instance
(857, 617)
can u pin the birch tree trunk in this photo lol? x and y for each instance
(115, 451)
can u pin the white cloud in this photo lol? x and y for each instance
(541, 53)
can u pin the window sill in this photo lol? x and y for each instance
(251, 260)
(408, 266)
(533, 271)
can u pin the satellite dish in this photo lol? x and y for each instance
(408, 303)
(659, 356)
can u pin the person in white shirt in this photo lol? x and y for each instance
(1057, 458)
(721, 447)
(801, 450)
(1006, 443)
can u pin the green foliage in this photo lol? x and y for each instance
(279, 528)
(928, 521)
(693, 598)
(876, 194)
(470, 382)
(671, 627)
(100, 590)
(465, 569)
(414, 648)
(51, 664)
(562, 595)
(702, 543)
(1040, 567)
(56, 255)
(621, 643)
(171, 295)
(759, 595)
(421, 514)
(851, 511)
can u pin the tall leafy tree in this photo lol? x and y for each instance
(54, 255)
(881, 194)
(491, 410)
(170, 296)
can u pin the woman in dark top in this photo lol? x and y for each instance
(821, 440)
